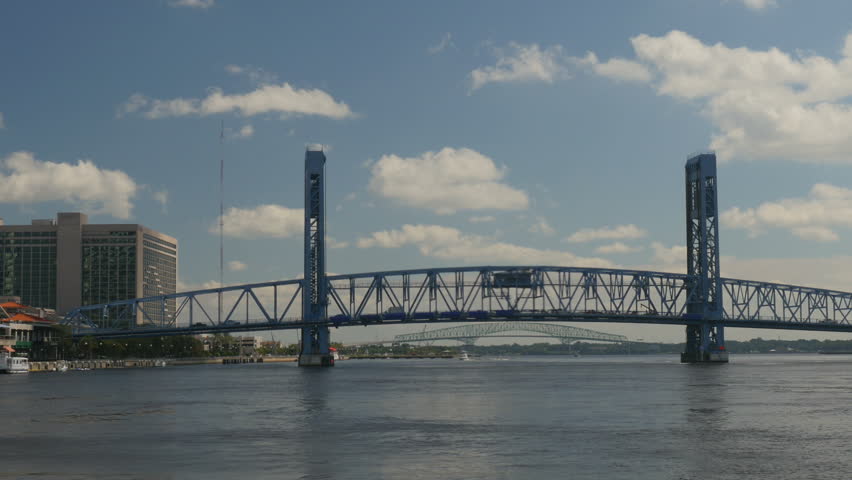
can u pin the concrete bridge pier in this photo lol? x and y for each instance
(704, 344)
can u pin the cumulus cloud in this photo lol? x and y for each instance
(616, 68)
(620, 232)
(445, 43)
(811, 218)
(765, 104)
(445, 182)
(673, 257)
(246, 131)
(202, 4)
(283, 99)
(334, 243)
(521, 63)
(481, 218)
(759, 4)
(161, 197)
(25, 180)
(541, 226)
(270, 221)
(448, 243)
(236, 266)
(616, 247)
(255, 74)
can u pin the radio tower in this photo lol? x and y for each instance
(221, 216)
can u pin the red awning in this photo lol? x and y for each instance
(8, 349)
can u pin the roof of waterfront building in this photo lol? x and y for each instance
(16, 312)
(12, 305)
(23, 317)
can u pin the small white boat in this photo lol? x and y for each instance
(464, 356)
(61, 367)
(9, 364)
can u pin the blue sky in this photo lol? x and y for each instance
(538, 132)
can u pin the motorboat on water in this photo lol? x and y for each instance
(10, 364)
(464, 356)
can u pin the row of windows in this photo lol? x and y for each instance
(160, 241)
(124, 241)
(158, 248)
(28, 241)
(26, 234)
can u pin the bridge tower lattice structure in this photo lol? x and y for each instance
(705, 341)
(315, 338)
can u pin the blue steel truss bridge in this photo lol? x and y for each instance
(700, 300)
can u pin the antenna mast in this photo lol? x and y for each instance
(221, 215)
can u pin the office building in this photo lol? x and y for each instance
(65, 263)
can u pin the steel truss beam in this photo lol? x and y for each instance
(479, 330)
(476, 294)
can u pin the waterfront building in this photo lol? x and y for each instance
(28, 331)
(65, 263)
(249, 345)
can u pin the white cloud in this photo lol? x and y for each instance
(452, 244)
(255, 74)
(541, 226)
(617, 68)
(25, 180)
(672, 258)
(482, 219)
(192, 3)
(617, 247)
(765, 104)
(246, 131)
(161, 197)
(819, 234)
(236, 266)
(445, 182)
(2, 121)
(272, 221)
(283, 99)
(522, 63)
(620, 232)
(445, 43)
(759, 4)
(810, 218)
(334, 243)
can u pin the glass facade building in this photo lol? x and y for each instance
(28, 267)
(67, 263)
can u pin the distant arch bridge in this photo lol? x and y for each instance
(469, 334)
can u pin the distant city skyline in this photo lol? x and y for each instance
(540, 133)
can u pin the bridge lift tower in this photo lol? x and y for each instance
(315, 339)
(705, 341)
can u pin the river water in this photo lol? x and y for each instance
(639, 417)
